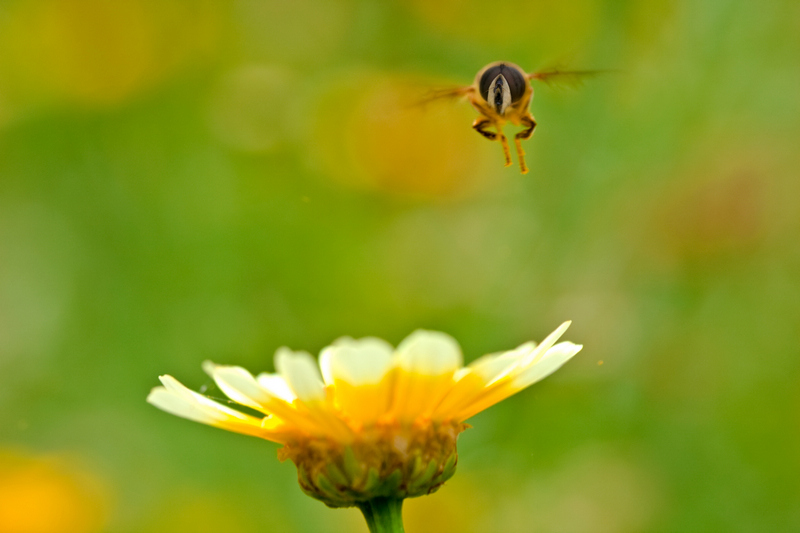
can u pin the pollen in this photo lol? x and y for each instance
(367, 420)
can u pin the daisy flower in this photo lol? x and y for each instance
(370, 424)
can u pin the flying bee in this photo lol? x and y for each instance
(502, 93)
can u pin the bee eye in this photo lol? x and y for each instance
(514, 78)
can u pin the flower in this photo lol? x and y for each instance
(371, 423)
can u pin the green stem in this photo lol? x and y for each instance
(383, 515)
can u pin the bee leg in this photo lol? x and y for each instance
(524, 135)
(528, 132)
(481, 123)
(506, 150)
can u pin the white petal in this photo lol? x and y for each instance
(190, 401)
(357, 362)
(276, 386)
(175, 404)
(545, 345)
(492, 367)
(429, 352)
(301, 373)
(461, 373)
(237, 384)
(549, 363)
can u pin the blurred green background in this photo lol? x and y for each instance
(182, 181)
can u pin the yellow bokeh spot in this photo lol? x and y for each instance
(553, 26)
(93, 52)
(371, 132)
(47, 495)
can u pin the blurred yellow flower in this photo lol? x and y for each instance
(369, 421)
(94, 53)
(370, 132)
(556, 26)
(49, 495)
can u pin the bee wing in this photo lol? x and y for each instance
(557, 77)
(441, 94)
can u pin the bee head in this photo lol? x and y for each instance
(501, 85)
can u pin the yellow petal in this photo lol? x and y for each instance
(521, 377)
(363, 404)
(416, 395)
(465, 389)
(357, 375)
(481, 373)
(312, 404)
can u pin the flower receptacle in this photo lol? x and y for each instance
(385, 462)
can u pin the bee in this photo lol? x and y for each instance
(501, 93)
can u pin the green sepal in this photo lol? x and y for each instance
(424, 480)
(448, 470)
(337, 476)
(417, 467)
(352, 467)
(373, 479)
(303, 477)
(326, 487)
(390, 485)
